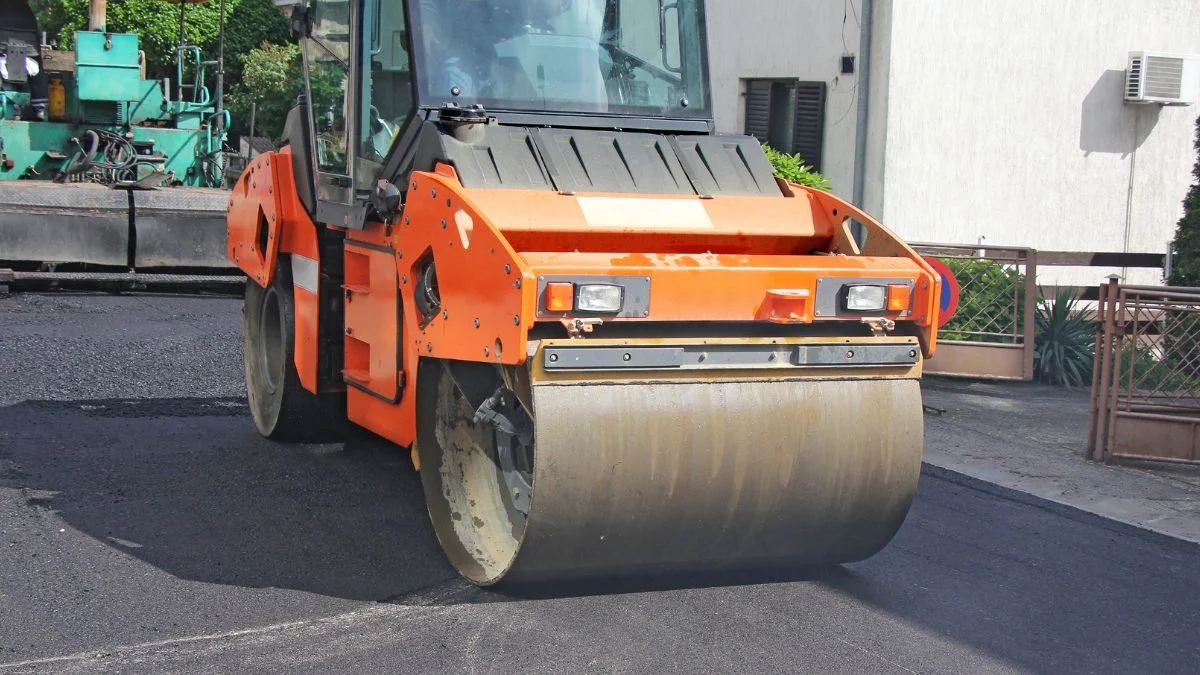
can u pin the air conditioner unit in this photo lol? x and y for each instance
(1162, 78)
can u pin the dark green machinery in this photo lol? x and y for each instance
(118, 170)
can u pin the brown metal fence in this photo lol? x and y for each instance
(992, 332)
(1146, 383)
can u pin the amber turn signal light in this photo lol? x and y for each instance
(898, 297)
(560, 296)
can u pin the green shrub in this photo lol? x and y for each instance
(988, 293)
(1174, 367)
(1140, 362)
(1065, 343)
(793, 169)
(1181, 337)
(1151, 374)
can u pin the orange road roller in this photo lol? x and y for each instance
(505, 235)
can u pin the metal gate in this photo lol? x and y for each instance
(992, 334)
(1146, 384)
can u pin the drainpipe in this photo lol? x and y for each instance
(864, 97)
(97, 16)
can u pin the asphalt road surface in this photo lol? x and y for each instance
(144, 526)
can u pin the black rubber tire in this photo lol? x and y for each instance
(282, 409)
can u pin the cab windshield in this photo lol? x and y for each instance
(625, 57)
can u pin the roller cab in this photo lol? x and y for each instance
(613, 341)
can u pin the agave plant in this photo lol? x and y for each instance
(1064, 348)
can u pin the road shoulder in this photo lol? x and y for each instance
(1031, 439)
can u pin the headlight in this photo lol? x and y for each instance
(602, 298)
(866, 298)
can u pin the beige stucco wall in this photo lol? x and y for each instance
(794, 39)
(1000, 119)
(1005, 120)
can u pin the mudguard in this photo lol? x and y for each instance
(267, 220)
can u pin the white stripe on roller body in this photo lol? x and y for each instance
(632, 213)
(304, 272)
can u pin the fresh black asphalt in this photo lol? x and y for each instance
(144, 526)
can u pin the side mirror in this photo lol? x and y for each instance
(386, 200)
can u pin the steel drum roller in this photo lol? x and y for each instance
(698, 475)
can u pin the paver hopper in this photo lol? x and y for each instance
(100, 166)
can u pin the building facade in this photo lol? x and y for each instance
(999, 122)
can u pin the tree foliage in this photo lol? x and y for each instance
(1185, 248)
(248, 23)
(271, 80)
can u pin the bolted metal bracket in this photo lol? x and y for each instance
(502, 412)
(879, 325)
(577, 327)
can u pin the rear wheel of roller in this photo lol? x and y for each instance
(281, 407)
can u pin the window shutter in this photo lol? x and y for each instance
(810, 122)
(758, 109)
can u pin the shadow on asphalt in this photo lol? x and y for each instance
(459, 591)
(188, 486)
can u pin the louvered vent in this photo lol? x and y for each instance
(1133, 78)
(789, 115)
(1163, 76)
(810, 122)
(758, 109)
(1166, 79)
(102, 112)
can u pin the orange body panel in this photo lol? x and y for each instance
(375, 373)
(548, 221)
(266, 218)
(253, 221)
(731, 287)
(724, 259)
(484, 296)
(265, 195)
(486, 292)
(372, 321)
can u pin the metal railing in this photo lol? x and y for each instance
(992, 332)
(1146, 380)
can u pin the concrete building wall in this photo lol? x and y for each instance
(789, 39)
(879, 63)
(1004, 119)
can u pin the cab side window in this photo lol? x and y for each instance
(387, 84)
(327, 53)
